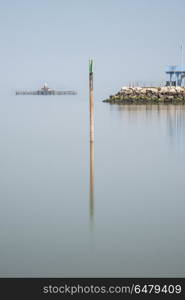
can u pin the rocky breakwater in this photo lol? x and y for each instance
(149, 95)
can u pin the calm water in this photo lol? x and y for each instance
(50, 223)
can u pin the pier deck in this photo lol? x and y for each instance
(46, 93)
(45, 90)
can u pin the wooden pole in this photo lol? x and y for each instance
(91, 100)
(91, 110)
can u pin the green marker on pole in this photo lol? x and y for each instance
(90, 66)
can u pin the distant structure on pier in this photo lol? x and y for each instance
(45, 90)
(176, 73)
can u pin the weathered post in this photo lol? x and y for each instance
(91, 110)
(91, 100)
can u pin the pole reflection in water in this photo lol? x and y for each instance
(91, 192)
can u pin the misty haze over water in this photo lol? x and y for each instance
(49, 226)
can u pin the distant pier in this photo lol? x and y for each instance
(45, 90)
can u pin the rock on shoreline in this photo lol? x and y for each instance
(149, 95)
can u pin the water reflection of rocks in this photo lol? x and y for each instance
(172, 115)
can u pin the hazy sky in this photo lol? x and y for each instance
(52, 40)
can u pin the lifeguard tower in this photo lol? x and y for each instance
(176, 73)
